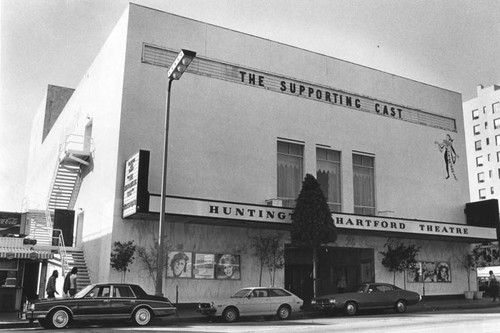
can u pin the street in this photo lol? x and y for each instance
(456, 321)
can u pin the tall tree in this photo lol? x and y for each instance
(312, 223)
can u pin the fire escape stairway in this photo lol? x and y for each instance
(76, 258)
(66, 186)
(38, 228)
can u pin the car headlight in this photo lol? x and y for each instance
(332, 300)
(31, 307)
(313, 302)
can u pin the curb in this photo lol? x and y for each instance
(195, 318)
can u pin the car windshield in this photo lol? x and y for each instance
(84, 291)
(363, 288)
(241, 293)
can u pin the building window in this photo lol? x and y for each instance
(492, 190)
(484, 109)
(496, 123)
(328, 175)
(479, 161)
(490, 174)
(497, 140)
(364, 184)
(290, 170)
(487, 141)
(480, 177)
(495, 107)
(476, 130)
(478, 145)
(475, 114)
(498, 156)
(485, 125)
(482, 195)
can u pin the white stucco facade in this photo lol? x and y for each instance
(224, 129)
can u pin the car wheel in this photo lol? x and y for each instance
(230, 315)
(142, 317)
(400, 306)
(284, 312)
(44, 323)
(351, 308)
(58, 319)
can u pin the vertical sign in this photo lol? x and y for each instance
(135, 193)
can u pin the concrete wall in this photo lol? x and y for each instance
(223, 136)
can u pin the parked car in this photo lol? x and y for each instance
(253, 301)
(368, 296)
(103, 301)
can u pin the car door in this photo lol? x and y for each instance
(96, 304)
(254, 304)
(373, 297)
(123, 301)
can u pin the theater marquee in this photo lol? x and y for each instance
(283, 216)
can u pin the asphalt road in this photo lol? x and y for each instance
(457, 321)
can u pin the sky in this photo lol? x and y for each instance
(452, 44)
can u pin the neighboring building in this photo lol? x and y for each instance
(482, 134)
(248, 120)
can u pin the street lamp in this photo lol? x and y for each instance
(175, 72)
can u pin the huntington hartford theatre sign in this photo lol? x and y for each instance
(277, 215)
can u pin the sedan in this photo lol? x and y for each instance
(368, 296)
(106, 301)
(253, 301)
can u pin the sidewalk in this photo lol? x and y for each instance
(10, 320)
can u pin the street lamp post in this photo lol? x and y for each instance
(175, 72)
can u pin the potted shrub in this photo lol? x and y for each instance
(468, 261)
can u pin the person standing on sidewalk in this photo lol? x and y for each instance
(70, 283)
(51, 285)
(493, 286)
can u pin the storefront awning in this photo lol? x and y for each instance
(24, 253)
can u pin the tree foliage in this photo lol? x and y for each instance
(122, 256)
(312, 223)
(399, 257)
(271, 254)
(149, 259)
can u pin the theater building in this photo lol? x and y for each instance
(248, 120)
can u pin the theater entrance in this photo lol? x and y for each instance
(355, 264)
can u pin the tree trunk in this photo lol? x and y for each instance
(260, 275)
(315, 260)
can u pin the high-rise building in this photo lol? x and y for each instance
(482, 136)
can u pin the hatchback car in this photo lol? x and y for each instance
(106, 301)
(253, 301)
(368, 296)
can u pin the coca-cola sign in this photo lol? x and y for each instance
(10, 223)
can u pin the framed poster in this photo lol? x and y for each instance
(228, 267)
(179, 264)
(430, 271)
(204, 266)
(443, 272)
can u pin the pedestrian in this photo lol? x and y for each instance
(51, 285)
(342, 284)
(70, 282)
(493, 286)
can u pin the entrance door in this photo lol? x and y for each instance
(355, 264)
(65, 221)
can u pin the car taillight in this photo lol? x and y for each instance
(313, 302)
